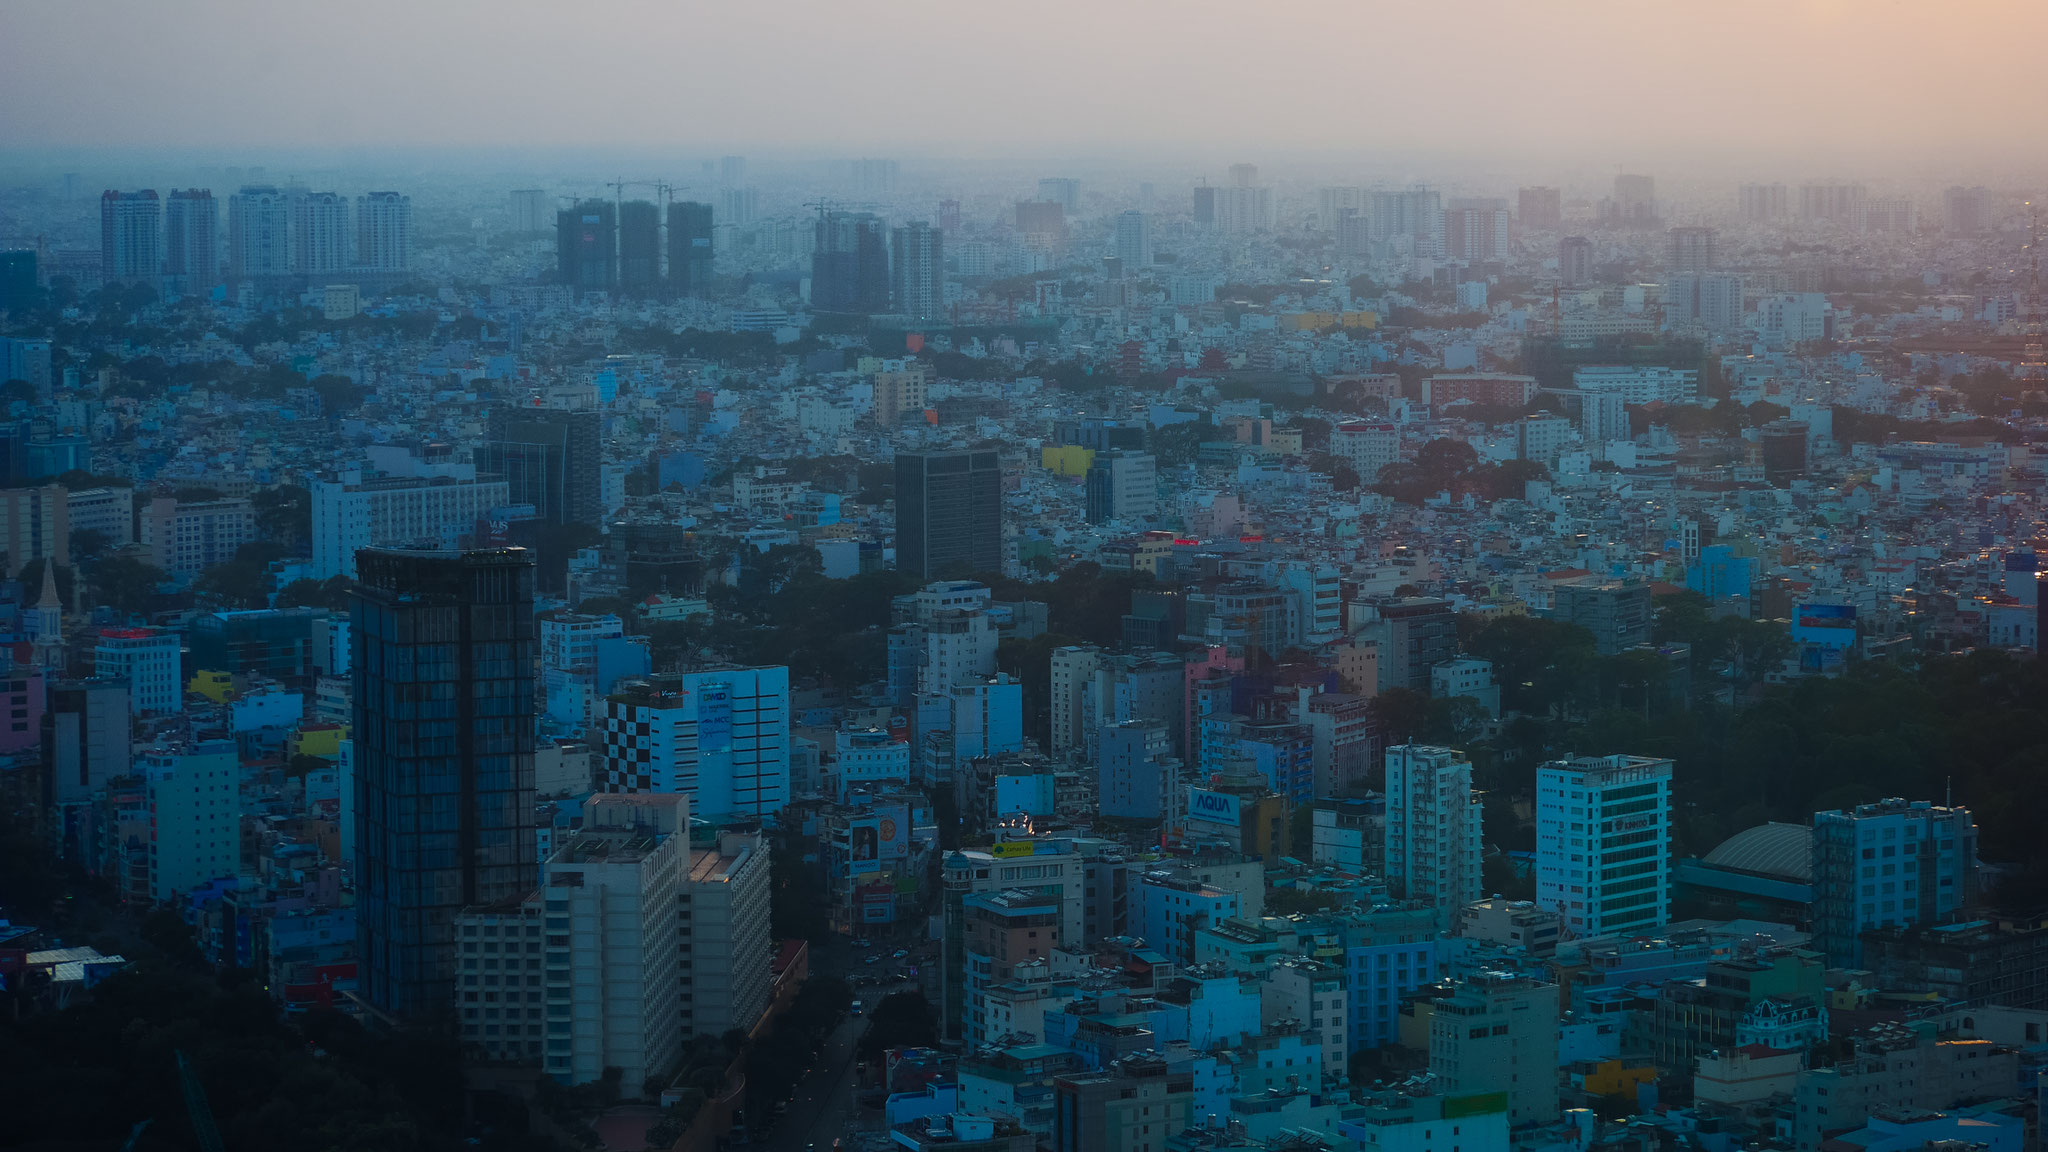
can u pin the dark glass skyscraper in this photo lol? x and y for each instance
(550, 459)
(689, 248)
(639, 247)
(586, 253)
(443, 658)
(949, 513)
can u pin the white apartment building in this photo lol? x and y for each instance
(355, 512)
(195, 815)
(1073, 670)
(148, 658)
(1314, 996)
(1367, 448)
(719, 736)
(107, 511)
(186, 539)
(1433, 846)
(727, 952)
(611, 914)
(865, 756)
(384, 232)
(1603, 842)
(1640, 383)
(1498, 1033)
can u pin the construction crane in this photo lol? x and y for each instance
(203, 1128)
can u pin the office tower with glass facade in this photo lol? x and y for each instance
(949, 513)
(443, 654)
(549, 459)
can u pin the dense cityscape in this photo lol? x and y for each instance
(885, 653)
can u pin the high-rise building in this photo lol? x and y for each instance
(1413, 216)
(1635, 201)
(586, 246)
(1042, 222)
(443, 659)
(1760, 203)
(1205, 206)
(1711, 300)
(35, 524)
(131, 237)
(1338, 203)
(1690, 249)
(1476, 228)
(384, 232)
(850, 264)
(1892, 864)
(1618, 613)
(639, 247)
(1575, 260)
(259, 235)
(875, 177)
(732, 170)
(1137, 769)
(149, 659)
(1062, 190)
(532, 210)
(18, 283)
(87, 741)
(319, 234)
(353, 512)
(725, 919)
(1244, 175)
(191, 241)
(739, 207)
(1433, 845)
(689, 248)
(1539, 207)
(1244, 208)
(1497, 1032)
(949, 513)
(614, 974)
(1603, 842)
(1832, 203)
(1122, 485)
(917, 270)
(1129, 1106)
(949, 215)
(1966, 211)
(1133, 240)
(195, 816)
(719, 736)
(549, 458)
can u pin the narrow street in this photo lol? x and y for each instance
(824, 1104)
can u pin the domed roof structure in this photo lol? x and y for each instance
(1779, 851)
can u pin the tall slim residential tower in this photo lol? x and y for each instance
(191, 241)
(1133, 240)
(549, 459)
(1635, 201)
(917, 270)
(1575, 260)
(689, 248)
(443, 654)
(586, 253)
(532, 209)
(1603, 842)
(949, 513)
(1433, 846)
(1064, 190)
(639, 247)
(1885, 865)
(1966, 211)
(732, 170)
(384, 232)
(1476, 228)
(319, 234)
(131, 237)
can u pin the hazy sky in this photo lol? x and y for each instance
(1607, 81)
